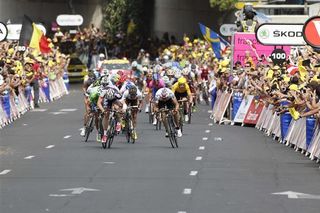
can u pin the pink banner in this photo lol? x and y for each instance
(241, 46)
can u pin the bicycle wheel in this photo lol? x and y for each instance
(129, 133)
(190, 113)
(88, 128)
(172, 131)
(111, 134)
(150, 114)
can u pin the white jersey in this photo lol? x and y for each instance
(126, 95)
(159, 92)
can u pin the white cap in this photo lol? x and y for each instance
(101, 55)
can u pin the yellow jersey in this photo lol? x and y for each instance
(176, 88)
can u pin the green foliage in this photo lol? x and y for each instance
(119, 13)
(223, 5)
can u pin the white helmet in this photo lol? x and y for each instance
(170, 72)
(101, 55)
(105, 81)
(177, 75)
(185, 71)
(166, 58)
(134, 64)
(166, 80)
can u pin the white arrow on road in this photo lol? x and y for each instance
(298, 195)
(80, 190)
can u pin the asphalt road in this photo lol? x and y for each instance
(46, 167)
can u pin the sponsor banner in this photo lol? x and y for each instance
(243, 109)
(15, 29)
(69, 20)
(222, 106)
(241, 45)
(254, 112)
(228, 29)
(280, 34)
(3, 31)
(311, 31)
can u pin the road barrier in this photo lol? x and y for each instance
(302, 134)
(12, 106)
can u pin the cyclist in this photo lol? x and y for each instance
(165, 99)
(155, 85)
(86, 83)
(182, 91)
(133, 97)
(191, 80)
(109, 99)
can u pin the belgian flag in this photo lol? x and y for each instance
(32, 36)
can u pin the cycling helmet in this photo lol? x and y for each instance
(105, 81)
(133, 91)
(182, 80)
(115, 78)
(129, 84)
(166, 80)
(166, 58)
(193, 67)
(101, 55)
(110, 94)
(156, 77)
(177, 75)
(105, 72)
(185, 71)
(170, 72)
(164, 94)
(134, 64)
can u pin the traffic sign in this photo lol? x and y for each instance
(228, 29)
(278, 56)
(3, 31)
(311, 31)
(69, 20)
(280, 34)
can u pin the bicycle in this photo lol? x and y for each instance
(90, 123)
(169, 118)
(129, 124)
(205, 93)
(182, 110)
(111, 132)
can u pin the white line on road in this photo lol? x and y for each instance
(29, 157)
(208, 131)
(4, 172)
(209, 111)
(204, 139)
(109, 162)
(202, 148)
(25, 124)
(181, 212)
(193, 173)
(50, 146)
(210, 124)
(199, 158)
(67, 136)
(68, 110)
(187, 191)
(39, 110)
(59, 195)
(58, 113)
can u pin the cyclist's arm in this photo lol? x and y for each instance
(176, 104)
(100, 103)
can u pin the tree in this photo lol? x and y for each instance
(223, 4)
(114, 16)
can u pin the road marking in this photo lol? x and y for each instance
(193, 173)
(208, 131)
(217, 139)
(109, 162)
(210, 124)
(199, 158)
(181, 212)
(80, 190)
(29, 157)
(298, 195)
(67, 136)
(209, 111)
(25, 124)
(204, 139)
(50, 146)
(187, 191)
(59, 195)
(201, 147)
(39, 110)
(4, 172)
(58, 113)
(68, 110)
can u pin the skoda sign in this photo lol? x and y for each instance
(69, 20)
(280, 34)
